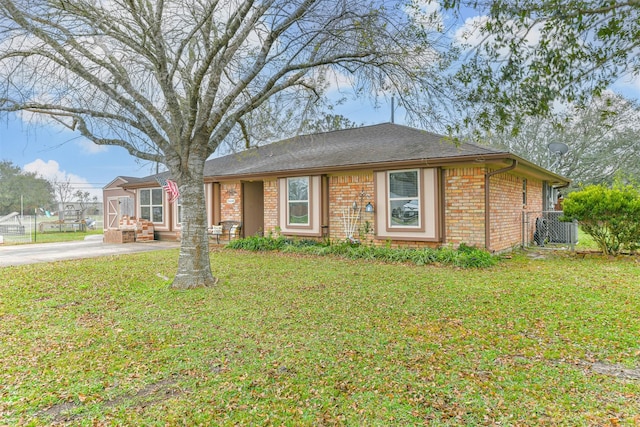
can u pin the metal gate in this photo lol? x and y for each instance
(544, 229)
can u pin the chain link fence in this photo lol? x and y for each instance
(545, 229)
(18, 229)
(27, 228)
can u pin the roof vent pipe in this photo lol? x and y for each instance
(393, 109)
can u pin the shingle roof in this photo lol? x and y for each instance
(349, 147)
(126, 179)
(133, 179)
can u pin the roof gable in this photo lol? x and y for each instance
(121, 181)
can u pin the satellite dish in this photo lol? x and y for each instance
(558, 148)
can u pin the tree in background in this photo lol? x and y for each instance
(610, 215)
(170, 80)
(84, 199)
(526, 55)
(330, 122)
(280, 118)
(602, 140)
(23, 190)
(63, 191)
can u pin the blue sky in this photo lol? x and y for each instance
(62, 154)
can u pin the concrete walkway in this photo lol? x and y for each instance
(91, 247)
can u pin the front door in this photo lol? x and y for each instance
(116, 208)
(253, 208)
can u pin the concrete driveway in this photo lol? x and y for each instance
(91, 247)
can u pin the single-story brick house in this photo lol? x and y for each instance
(401, 186)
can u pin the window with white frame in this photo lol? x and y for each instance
(404, 199)
(179, 209)
(151, 207)
(298, 201)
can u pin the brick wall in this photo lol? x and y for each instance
(464, 206)
(130, 229)
(534, 196)
(464, 212)
(344, 189)
(506, 211)
(507, 208)
(534, 203)
(231, 192)
(270, 207)
(144, 230)
(113, 235)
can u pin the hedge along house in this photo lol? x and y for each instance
(386, 183)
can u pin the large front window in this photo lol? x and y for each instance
(298, 201)
(404, 199)
(151, 207)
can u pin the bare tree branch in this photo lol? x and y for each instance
(171, 80)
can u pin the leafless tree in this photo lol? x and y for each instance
(63, 191)
(169, 80)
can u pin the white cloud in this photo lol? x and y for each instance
(427, 13)
(469, 33)
(338, 81)
(90, 148)
(50, 170)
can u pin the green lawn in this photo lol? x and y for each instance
(300, 340)
(50, 237)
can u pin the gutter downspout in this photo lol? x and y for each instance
(487, 202)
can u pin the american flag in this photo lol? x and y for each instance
(170, 187)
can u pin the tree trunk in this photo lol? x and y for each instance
(194, 267)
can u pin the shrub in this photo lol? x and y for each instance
(611, 216)
(464, 256)
(269, 243)
(258, 243)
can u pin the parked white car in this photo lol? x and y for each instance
(408, 210)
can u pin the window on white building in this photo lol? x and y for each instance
(151, 204)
